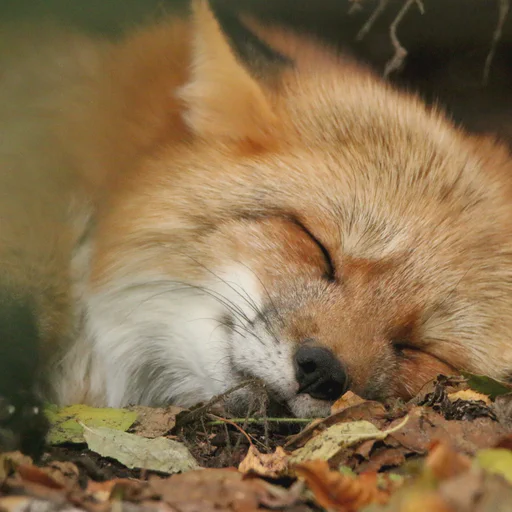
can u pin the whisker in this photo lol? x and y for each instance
(227, 303)
(265, 289)
(230, 326)
(249, 301)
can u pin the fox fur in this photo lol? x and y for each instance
(182, 215)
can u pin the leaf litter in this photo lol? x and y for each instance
(447, 450)
(156, 454)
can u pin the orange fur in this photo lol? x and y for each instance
(189, 162)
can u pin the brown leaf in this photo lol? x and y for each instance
(9, 461)
(464, 404)
(33, 474)
(383, 457)
(118, 489)
(335, 491)
(349, 399)
(365, 448)
(444, 462)
(425, 425)
(217, 490)
(425, 501)
(15, 485)
(14, 503)
(270, 465)
(477, 491)
(469, 395)
(504, 442)
(64, 473)
(374, 412)
(278, 497)
(154, 421)
(100, 491)
(503, 409)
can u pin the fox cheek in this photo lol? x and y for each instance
(416, 369)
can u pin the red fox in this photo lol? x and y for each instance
(209, 200)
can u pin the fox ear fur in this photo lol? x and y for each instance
(221, 98)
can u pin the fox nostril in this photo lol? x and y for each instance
(307, 366)
(319, 373)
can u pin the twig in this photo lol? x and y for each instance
(197, 413)
(261, 421)
(355, 6)
(400, 52)
(223, 421)
(244, 425)
(372, 19)
(227, 422)
(504, 7)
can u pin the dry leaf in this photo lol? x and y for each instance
(496, 460)
(28, 504)
(469, 395)
(477, 491)
(118, 489)
(220, 490)
(101, 491)
(425, 425)
(336, 491)
(444, 462)
(427, 501)
(504, 442)
(14, 503)
(503, 409)
(383, 457)
(64, 473)
(67, 422)
(270, 465)
(154, 421)
(369, 411)
(349, 399)
(9, 461)
(159, 454)
(33, 474)
(327, 444)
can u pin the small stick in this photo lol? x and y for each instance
(197, 413)
(400, 52)
(226, 422)
(372, 19)
(261, 421)
(503, 13)
(229, 422)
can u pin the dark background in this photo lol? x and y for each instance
(447, 45)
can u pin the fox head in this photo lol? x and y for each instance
(310, 227)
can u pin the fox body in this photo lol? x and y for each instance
(184, 210)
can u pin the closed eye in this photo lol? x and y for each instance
(330, 273)
(400, 346)
(404, 336)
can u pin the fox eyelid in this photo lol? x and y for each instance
(402, 339)
(331, 270)
(330, 274)
(400, 345)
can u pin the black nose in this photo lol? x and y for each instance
(319, 373)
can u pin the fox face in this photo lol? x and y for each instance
(314, 229)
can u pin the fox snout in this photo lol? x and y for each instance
(319, 373)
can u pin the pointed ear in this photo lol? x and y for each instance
(221, 97)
